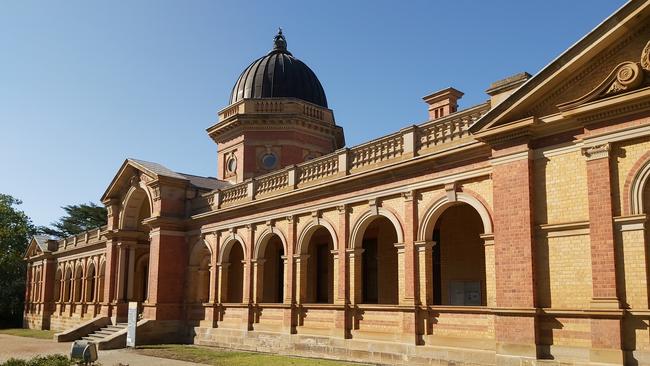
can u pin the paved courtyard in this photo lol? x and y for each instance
(23, 347)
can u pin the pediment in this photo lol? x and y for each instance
(133, 171)
(39, 245)
(608, 61)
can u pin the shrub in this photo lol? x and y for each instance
(50, 360)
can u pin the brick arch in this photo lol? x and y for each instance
(436, 209)
(359, 228)
(310, 229)
(263, 239)
(636, 181)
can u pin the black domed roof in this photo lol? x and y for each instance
(279, 75)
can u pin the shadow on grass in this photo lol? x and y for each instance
(224, 357)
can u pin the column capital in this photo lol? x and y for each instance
(598, 151)
(354, 251)
(424, 245)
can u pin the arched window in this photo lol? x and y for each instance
(320, 267)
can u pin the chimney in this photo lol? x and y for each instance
(500, 90)
(443, 102)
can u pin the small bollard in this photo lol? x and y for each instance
(83, 352)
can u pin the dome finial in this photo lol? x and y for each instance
(279, 42)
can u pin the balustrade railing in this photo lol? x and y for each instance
(376, 151)
(318, 168)
(234, 193)
(412, 141)
(272, 182)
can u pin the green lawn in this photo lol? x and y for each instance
(222, 357)
(32, 333)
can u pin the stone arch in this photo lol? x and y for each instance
(58, 277)
(367, 218)
(199, 246)
(227, 244)
(91, 274)
(310, 229)
(67, 283)
(457, 272)
(435, 210)
(263, 239)
(635, 184)
(199, 270)
(101, 275)
(269, 259)
(232, 272)
(141, 276)
(37, 284)
(78, 281)
(132, 205)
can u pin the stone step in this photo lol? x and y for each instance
(116, 327)
(92, 338)
(104, 333)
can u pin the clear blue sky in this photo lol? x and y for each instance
(85, 84)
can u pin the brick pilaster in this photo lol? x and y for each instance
(167, 265)
(514, 251)
(605, 333)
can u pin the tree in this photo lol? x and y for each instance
(78, 218)
(16, 229)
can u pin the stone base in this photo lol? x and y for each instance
(372, 351)
(339, 349)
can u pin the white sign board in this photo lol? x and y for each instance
(133, 320)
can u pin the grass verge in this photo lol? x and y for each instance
(31, 333)
(223, 357)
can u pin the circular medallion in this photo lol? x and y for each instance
(269, 160)
(231, 165)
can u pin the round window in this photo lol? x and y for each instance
(269, 160)
(231, 165)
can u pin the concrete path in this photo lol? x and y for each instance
(24, 347)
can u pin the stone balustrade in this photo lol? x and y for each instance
(89, 237)
(318, 169)
(407, 143)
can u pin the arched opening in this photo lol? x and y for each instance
(78, 283)
(320, 267)
(272, 282)
(459, 258)
(199, 274)
(90, 283)
(37, 292)
(235, 273)
(102, 276)
(379, 271)
(67, 288)
(141, 278)
(137, 209)
(57, 285)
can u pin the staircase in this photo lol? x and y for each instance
(105, 332)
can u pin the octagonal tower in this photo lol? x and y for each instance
(277, 117)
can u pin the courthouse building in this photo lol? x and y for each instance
(513, 232)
